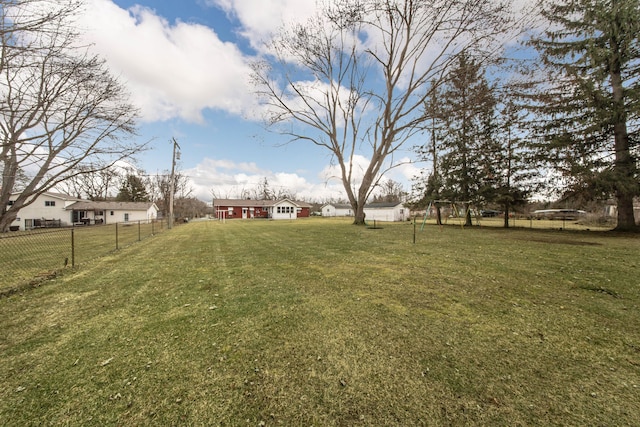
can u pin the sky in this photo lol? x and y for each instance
(186, 66)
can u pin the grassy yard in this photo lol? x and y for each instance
(27, 257)
(318, 322)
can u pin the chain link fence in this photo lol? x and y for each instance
(28, 257)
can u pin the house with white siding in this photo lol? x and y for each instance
(47, 210)
(61, 210)
(106, 212)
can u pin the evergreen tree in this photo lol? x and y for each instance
(517, 170)
(428, 185)
(591, 98)
(133, 189)
(467, 165)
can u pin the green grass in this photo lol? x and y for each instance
(318, 322)
(28, 257)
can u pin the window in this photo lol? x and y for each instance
(285, 209)
(111, 213)
(49, 203)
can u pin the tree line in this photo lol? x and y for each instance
(131, 185)
(562, 116)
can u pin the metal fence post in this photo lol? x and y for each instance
(139, 235)
(116, 236)
(73, 248)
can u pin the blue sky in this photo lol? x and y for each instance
(186, 65)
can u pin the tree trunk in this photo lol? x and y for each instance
(626, 219)
(467, 215)
(624, 167)
(506, 215)
(359, 216)
(7, 219)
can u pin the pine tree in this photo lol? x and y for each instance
(467, 166)
(428, 185)
(591, 102)
(517, 170)
(133, 189)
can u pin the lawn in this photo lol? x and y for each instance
(27, 257)
(318, 322)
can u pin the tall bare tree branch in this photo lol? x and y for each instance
(62, 113)
(353, 80)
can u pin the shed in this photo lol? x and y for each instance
(336, 209)
(391, 212)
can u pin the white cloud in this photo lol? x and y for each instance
(260, 19)
(227, 179)
(171, 69)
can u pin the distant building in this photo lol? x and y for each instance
(88, 212)
(390, 212)
(61, 210)
(268, 209)
(336, 209)
(611, 210)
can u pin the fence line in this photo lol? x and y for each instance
(31, 256)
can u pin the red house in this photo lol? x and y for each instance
(272, 209)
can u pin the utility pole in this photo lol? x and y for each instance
(176, 154)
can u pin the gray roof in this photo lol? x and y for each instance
(255, 203)
(60, 196)
(382, 205)
(110, 206)
(339, 205)
(367, 206)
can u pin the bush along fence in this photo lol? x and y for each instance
(29, 257)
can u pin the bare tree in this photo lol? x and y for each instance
(189, 207)
(94, 184)
(390, 192)
(264, 191)
(354, 79)
(61, 111)
(161, 189)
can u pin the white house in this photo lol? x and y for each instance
(88, 212)
(285, 209)
(336, 209)
(391, 212)
(61, 210)
(48, 209)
